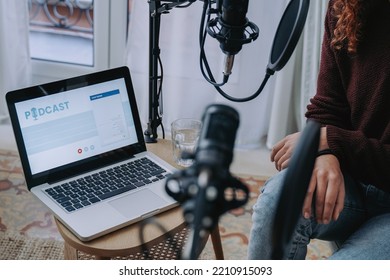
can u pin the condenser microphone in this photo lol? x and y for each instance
(216, 141)
(232, 29)
(207, 189)
(213, 155)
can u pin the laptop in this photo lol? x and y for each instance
(83, 152)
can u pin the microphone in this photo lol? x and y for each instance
(232, 29)
(206, 189)
(216, 141)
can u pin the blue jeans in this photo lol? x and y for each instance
(362, 229)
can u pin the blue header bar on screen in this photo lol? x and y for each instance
(104, 94)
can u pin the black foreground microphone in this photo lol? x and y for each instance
(216, 141)
(206, 189)
(232, 29)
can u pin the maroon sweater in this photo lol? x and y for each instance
(353, 99)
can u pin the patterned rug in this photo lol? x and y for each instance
(28, 230)
(14, 246)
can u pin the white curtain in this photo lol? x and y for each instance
(186, 93)
(297, 82)
(15, 68)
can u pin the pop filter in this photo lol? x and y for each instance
(287, 34)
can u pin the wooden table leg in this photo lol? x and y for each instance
(217, 244)
(70, 253)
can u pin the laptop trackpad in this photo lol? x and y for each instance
(138, 203)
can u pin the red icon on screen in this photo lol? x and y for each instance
(79, 151)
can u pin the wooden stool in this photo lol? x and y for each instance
(165, 242)
(126, 244)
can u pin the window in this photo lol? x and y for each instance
(72, 37)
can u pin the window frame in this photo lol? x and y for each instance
(109, 45)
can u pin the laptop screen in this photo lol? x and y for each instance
(75, 125)
(72, 125)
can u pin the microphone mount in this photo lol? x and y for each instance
(216, 26)
(205, 194)
(217, 29)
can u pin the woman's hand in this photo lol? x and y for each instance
(327, 188)
(327, 182)
(281, 153)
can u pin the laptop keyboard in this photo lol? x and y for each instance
(102, 185)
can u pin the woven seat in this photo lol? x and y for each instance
(125, 243)
(166, 250)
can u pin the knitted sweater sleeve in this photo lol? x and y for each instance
(358, 130)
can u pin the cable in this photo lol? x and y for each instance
(167, 236)
(253, 96)
(160, 96)
(203, 61)
(202, 40)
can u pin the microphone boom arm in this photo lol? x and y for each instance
(156, 8)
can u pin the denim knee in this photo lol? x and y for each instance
(270, 193)
(260, 242)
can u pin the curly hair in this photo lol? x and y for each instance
(348, 29)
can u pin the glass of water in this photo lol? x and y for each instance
(185, 135)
